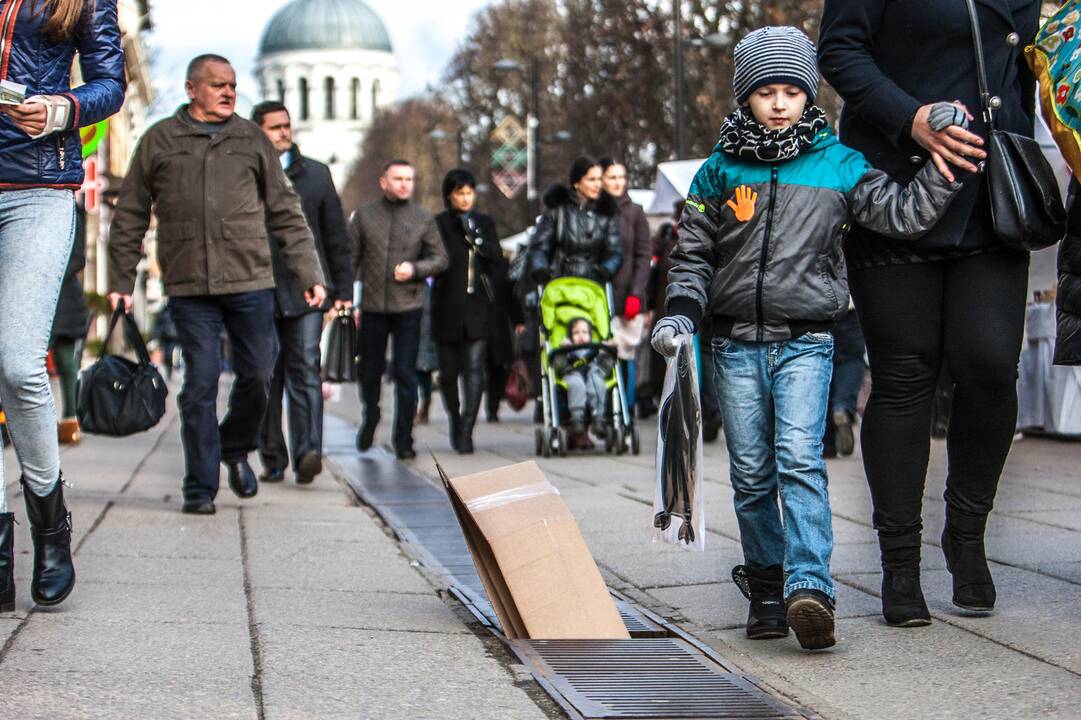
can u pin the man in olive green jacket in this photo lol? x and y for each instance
(217, 188)
(396, 248)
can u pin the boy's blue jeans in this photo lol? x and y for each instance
(773, 398)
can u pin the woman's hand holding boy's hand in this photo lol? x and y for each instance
(949, 146)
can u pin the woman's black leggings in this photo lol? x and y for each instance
(970, 313)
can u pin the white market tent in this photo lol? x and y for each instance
(672, 184)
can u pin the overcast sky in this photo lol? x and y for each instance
(425, 33)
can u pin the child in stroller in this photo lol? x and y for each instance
(585, 366)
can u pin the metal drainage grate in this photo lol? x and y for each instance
(645, 678)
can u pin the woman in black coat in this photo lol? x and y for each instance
(463, 304)
(955, 295)
(578, 234)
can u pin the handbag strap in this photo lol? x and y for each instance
(989, 104)
(131, 334)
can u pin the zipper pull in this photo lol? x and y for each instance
(61, 152)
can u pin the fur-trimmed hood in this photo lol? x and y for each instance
(560, 195)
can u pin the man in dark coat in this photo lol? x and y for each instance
(396, 247)
(299, 325)
(216, 186)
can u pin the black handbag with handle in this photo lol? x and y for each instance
(1026, 204)
(340, 357)
(118, 397)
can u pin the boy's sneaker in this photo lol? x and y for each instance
(810, 615)
(764, 587)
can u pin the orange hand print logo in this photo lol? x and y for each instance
(743, 203)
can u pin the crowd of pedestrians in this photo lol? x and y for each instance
(781, 220)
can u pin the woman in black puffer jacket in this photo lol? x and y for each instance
(578, 234)
(1068, 345)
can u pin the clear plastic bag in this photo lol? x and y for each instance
(678, 503)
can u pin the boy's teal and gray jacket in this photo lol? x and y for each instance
(773, 269)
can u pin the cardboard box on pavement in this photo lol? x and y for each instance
(541, 578)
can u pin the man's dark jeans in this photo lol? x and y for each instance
(375, 330)
(248, 319)
(297, 376)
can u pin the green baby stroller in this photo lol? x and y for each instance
(562, 301)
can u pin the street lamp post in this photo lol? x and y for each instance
(681, 139)
(533, 124)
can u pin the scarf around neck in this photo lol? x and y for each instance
(746, 138)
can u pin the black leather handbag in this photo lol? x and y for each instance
(118, 397)
(1026, 204)
(340, 356)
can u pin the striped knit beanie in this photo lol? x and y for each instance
(775, 55)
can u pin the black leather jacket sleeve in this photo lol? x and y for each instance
(540, 247)
(613, 251)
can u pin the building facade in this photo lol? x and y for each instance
(332, 64)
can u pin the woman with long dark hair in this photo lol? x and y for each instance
(578, 234)
(956, 295)
(40, 167)
(463, 304)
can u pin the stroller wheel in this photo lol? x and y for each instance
(636, 442)
(538, 441)
(546, 447)
(562, 441)
(620, 441)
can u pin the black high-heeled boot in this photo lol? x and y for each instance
(7, 562)
(962, 544)
(50, 529)
(903, 604)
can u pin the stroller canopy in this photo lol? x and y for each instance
(568, 298)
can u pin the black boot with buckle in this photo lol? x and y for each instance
(50, 529)
(764, 587)
(962, 544)
(7, 562)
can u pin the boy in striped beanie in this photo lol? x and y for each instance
(759, 249)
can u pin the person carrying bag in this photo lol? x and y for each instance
(119, 397)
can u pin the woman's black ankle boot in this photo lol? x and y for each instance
(7, 562)
(902, 597)
(962, 544)
(764, 587)
(50, 529)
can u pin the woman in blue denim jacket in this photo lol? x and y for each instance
(40, 167)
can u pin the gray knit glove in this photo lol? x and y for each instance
(666, 333)
(944, 114)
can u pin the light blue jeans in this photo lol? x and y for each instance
(37, 228)
(773, 398)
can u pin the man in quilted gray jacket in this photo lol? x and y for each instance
(396, 248)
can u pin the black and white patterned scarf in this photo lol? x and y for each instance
(746, 138)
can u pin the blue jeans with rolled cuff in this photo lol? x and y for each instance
(773, 398)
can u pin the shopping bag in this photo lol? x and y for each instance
(118, 397)
(516, 391)
(679, 503)
(339, 349)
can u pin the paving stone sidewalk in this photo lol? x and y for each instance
(295, 604)
(1024, 661)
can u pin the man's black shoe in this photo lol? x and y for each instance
(842, 427)
(810, 615)
(365, 437)
(242, 479)
(310, 465)
(711, 428)
(273, 475)
(406, 454)
(198, 507)
(764, 587)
